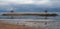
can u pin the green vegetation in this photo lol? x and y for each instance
(47, 14)
(29, 14)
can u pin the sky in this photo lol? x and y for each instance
(50, 2)
(39, 3)
(24, 1)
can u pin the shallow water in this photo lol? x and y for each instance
(30, 17)
(51, 24)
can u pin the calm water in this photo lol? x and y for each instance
(29, 17)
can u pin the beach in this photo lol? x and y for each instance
(28, 24)
(5, 25)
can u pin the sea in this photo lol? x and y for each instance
(31, 17)
(54, 25)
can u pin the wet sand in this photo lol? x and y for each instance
(12, 26)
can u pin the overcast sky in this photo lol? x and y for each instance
(38, 3)
(50, 3)
(29, 1)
